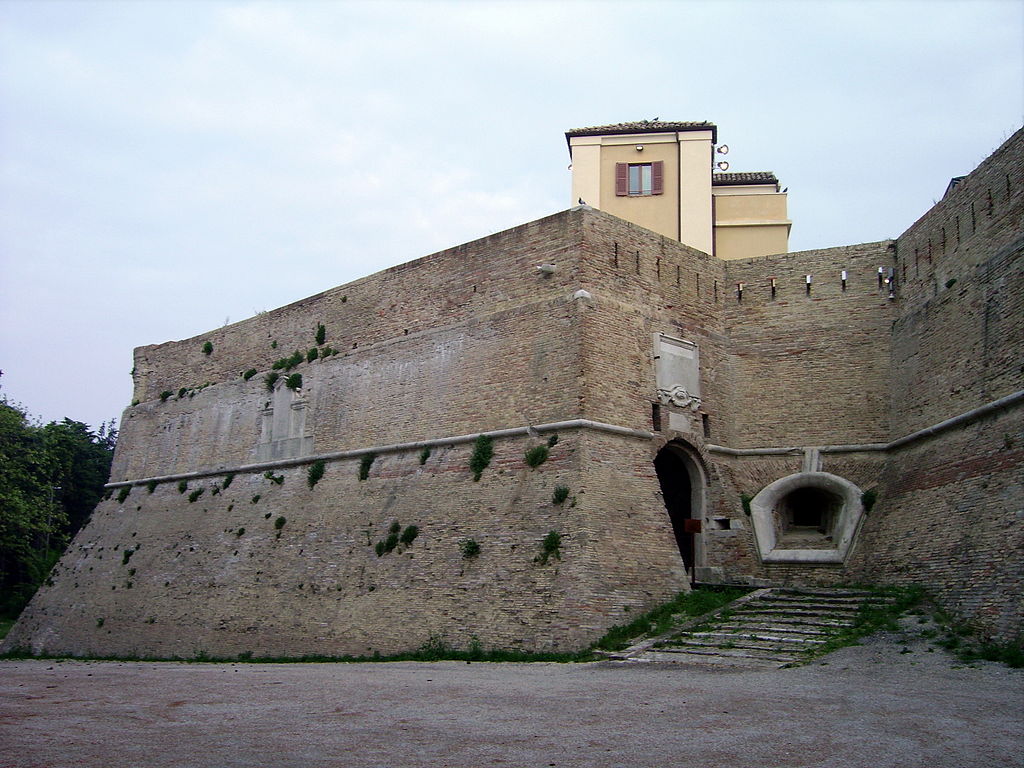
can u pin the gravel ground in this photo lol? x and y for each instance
(890, 702)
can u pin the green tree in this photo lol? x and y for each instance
(51, 477)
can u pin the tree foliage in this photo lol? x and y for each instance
(51, 478)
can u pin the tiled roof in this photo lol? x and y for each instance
(754, 177)
(643, 126)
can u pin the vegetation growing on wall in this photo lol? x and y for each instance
(271, 379)
(550, 547)
(294, 381)
(365, 463)
(315, 472)
(276, 479)
(470, 549)
(424, 455)
(395, 537)
(868, 499)
(164, 395)
(208, 348)
(249, 374)
(483, 451)
(192, 497)
(560, 494)
(151, 486)
(312, 354)
(536, 455)
(123, 494)
(321, 334)
(287, 363)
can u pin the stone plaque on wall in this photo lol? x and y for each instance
(677, 371)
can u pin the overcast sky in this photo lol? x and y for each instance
(169, 167)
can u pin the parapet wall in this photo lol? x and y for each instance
(467, 340)
(810, 367)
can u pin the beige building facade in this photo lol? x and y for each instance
(670, 177)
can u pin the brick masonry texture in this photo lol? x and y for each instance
(475, 339)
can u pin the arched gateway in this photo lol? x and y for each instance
(682, 487)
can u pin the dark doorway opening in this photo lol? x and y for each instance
(677, 490)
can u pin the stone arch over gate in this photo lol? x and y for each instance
(683, 482)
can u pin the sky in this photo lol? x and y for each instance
(170, 167)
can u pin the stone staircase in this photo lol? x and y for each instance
(769, 627)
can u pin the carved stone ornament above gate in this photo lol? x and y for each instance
(679, 396)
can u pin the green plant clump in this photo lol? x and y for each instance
(868, 499)
(271, 379)
(470, 549)
(365, 463)
(424, 455)
(536, 456)
(164, 395)
(321, 333)
(249, 374)
(208, 348)
(126, 556)
(293, 381)
(151, 486)
(409, 534)
(312, 355)
(550, 547)
(660, 620)
(561, 494)
(483, 452)
(276, 479)
(553, 440)
(287, 363)
(182, 486)
(123, 494)
(315, 472)
(228, 478)
(195, 495)
(279, 523)
(745, 500)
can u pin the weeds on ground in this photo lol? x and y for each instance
(684, 606)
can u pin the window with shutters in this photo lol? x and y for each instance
(639, 179)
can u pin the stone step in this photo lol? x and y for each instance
(789, 616)
(777, 594)
(771, 627)
(741, 653)
(810, 591)
(746, 635)
(819, 602)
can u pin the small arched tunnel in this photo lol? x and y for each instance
(676, 477)
(806, 517)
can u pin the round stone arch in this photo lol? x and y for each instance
(809, 517)
(682, 476)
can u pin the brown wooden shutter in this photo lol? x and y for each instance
(621, 179)
(658, 178)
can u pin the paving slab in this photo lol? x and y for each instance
(890, 702)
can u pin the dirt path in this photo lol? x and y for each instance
(866, 706)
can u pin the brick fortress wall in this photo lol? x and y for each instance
(950, 510)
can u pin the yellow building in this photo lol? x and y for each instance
(664, 176)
